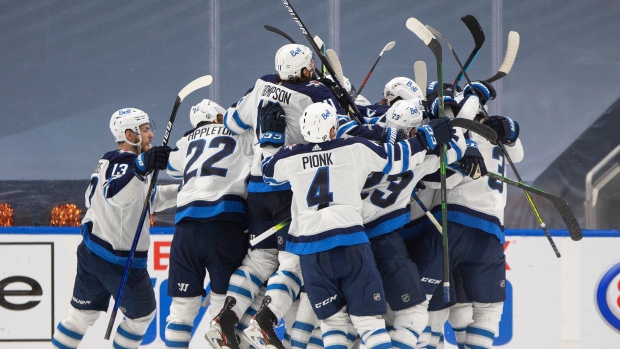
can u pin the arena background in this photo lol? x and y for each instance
(66, 66)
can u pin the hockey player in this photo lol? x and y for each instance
(210, 219)
(327, 229)
(118, 188)
(288, 92)
(476, 232)
(386, 208)
(400, 88)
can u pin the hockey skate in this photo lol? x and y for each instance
(260, 332)
(222, 335)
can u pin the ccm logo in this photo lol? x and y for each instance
(431, 281)
(35, 290)
(325, 302)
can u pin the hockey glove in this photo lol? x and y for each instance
(507, 129)
(155, 158)
(482, 89)
(472, 162)
(437, 132)
(273, 123)
(392, 136)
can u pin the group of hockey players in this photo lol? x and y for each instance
(360, 261)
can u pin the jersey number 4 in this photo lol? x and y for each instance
(319, 193)
(207, 168)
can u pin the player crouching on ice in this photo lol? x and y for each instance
(327, 231)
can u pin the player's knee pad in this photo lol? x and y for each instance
(461, 315)
(184, 310)
(130, 332)
(261, 262)
(284, 285)
(180, 322)
(487, 315)
(71, 330)
(413, 319)
(216, 303)
(372, 330)
(334, 329)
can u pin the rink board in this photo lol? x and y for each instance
(567, 303)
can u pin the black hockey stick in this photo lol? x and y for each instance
(387, 47)
(429, 40)
(278, 31)
(509, 59)
(506, 155)
(201, 82)
(476, 31)
(483, 130)
(316, 49)
(567, 215)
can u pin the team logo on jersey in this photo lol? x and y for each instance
(377, 296)
(608, 297)
(314, 83)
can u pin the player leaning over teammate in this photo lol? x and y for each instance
(327, 229)
(209, 232)
(114, 199)
(288, 92)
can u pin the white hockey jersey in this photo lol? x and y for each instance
(293, 98)
(214, 164)
(387, 198)
(326, 179)
(480, 203)
(114, 200)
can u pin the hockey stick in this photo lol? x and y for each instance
(387, 47)
(201, 82)
(506, 155)
(509, 59)
(476, 31)
(270, 232)
(567, 215)
(321, 46)
(419, 70)
(483, 130)
(427, 212)
(304, 30)
(278, 31)
(429, 40)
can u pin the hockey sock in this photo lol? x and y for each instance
(481, 332)
(179, 323)
(70, 331)
(130, 332)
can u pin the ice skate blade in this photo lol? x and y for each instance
(255, 336)
(214, 337)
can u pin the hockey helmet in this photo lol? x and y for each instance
(316, 122)
(291, 59)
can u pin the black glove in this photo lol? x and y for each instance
(436, 132)
(484, 90)
(155, 158)
(507, 129)
(472, 162)
(272, 124)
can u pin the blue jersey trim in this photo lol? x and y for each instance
(209, 211)
(258, 185)
(327, 240)
(388, 223)
(104, 250)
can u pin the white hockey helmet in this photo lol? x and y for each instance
(402, 87)
(207, 110)
(405, 115)
(291, 59)
(316, 122)
(129, 119)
